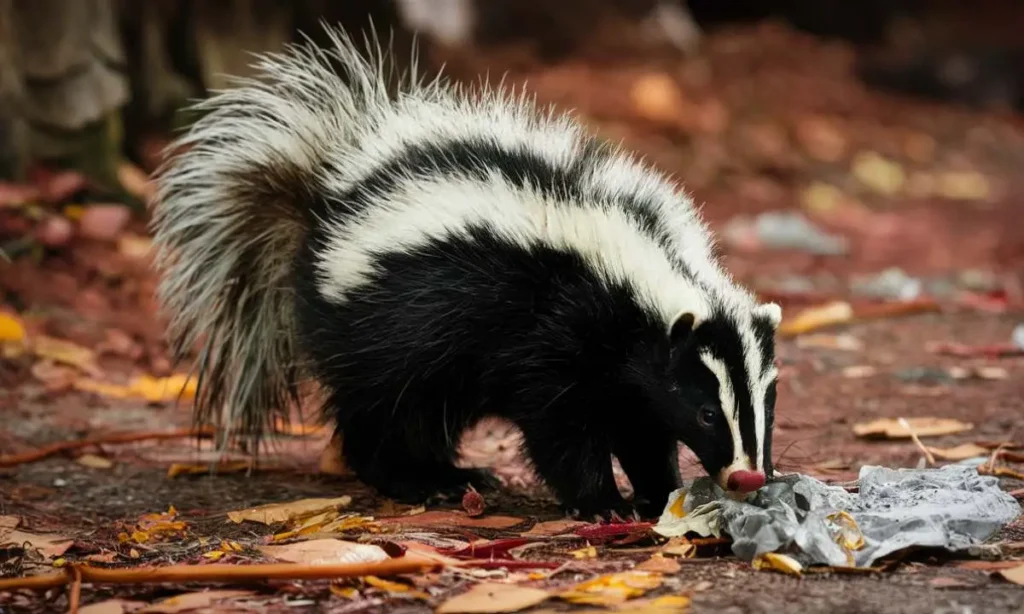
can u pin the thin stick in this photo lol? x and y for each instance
(913, 435)
(220, 573)
(69, 446)
(75, 596)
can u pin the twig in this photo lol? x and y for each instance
(891, 310)
(75, 596)
(992, 458)
(913, 435)
(221, 573)
(710, 541)
(1002, 472)
(12, 460)
(1017, 494)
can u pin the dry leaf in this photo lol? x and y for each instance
(553, 527)
(681, 547)
(440, 518)
(960, 452)
(1014, 574)
(94, 462)
(325, 552)
(657, 97)
(48, 545)
(112, 606)
(192, 601)
(394, 587)
(9, 522)
(493, 597)
(589, 552)
(11, 329)
(284, 512)
(890, 428)
(659, 564)
(416, 551)
(778, 562)
(612, 589)
(177, 469)
(66, 353)
(838, 312)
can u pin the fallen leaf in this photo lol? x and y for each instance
(94, 462)
(9, 522)
(439, 518)
(493, 597)
(589, 552)
(551, 528)
(394, 587)
(890, 428)
(612, 589)
(878, 173)
(814, 318)
(192, 601)
(67, 353)
(1013, 574)
(681, 547)
(325, 552)
(778, 562)
(659, 564)
(134, 247)
(657, 97)
(423, 552)
(11, 329)
(48, 545)
(960, 452)
(346, 592)
(665, 603)
(283, 512)
(177, 469)
(112, 606)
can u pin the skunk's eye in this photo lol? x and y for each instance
(706, 416)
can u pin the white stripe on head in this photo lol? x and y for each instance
(422, 211)
(727, 400)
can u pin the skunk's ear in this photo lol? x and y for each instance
(772, 312)
(682, 328)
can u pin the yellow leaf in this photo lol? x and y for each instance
(177, 469)
(589, 552)
(159, 389)
(394, 587)
(284, 512)
(890, 428)
(676, 509)
(778, 562)
(94, 462)
(879, 173)
(11, 329)
(60, 562)
(67, 353)
(612, 589)
(140, 537)
(346, 592)
(214, 555)
(493, 597)
(960, 452)
(113, 391)
(74, 212)
(665, 603)
(838, 312)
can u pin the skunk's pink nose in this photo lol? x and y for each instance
(745, 481)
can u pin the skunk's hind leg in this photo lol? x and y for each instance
(406, 465)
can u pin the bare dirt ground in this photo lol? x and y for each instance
(750, 125)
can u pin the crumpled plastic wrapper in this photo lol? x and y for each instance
(952, 507)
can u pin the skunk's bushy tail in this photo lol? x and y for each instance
(233, 207)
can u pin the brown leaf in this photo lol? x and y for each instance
(658, 563)
(441, 518)
(960, 452)
(890, 428)
(657, 97)
(67, 353)
(1014, 574)
(422, 552)
(283, 512)
(493, 597)
(192, 601)
(94, 462)
(553, 527)
(814, 318)
(612, 589)
(48, 545)
(325, 552)
(9, 522)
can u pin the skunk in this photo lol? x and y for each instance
(440, 254)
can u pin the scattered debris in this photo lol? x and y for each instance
(783, 230)
(190, 602)
(878, 173)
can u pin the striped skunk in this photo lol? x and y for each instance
(438, 255)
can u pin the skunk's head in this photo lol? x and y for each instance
(722, 392)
